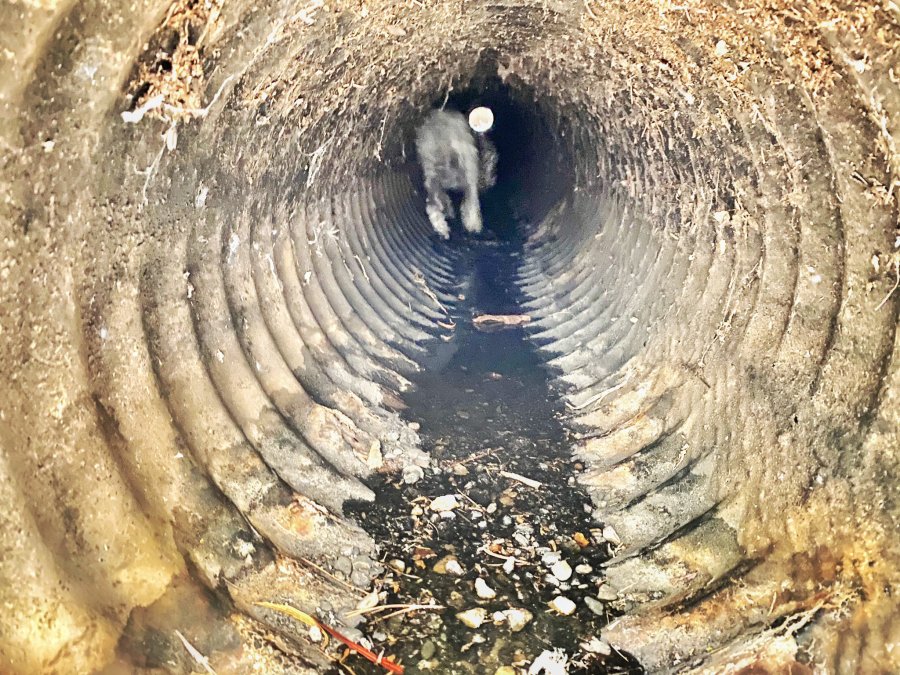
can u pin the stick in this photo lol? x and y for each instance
(530, 482)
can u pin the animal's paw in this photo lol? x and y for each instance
(439, 223)
(472, 218)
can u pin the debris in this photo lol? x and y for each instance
(606, 593)
(581, 540)
(561, 570)
(195, 654)
(397, 565)
(375, 460)
(505, 670)
(595, 606)
(553, 662)
(517, 618)
(310, 621)
(611, 536)
(563, 605)
(368, 602)
(522, 479)
(473, 618)
(597, 646)
(448, 565)
(444, 503)
(428, 649)
(483, 591)
(490, 321)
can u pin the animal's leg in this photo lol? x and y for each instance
(435, 200)
(471, 212)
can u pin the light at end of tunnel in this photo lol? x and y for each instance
(481, 119)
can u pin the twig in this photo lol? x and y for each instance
(891, 292)
(381, 608)
(195, 653)
(331, 576)
(530, 482)
(598, 397)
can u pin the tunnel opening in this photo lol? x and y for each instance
(227, 319)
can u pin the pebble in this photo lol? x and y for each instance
(460, 470)
(606, 593)
(562, 570)
(551, 558)
(594, 605)
(412, 473)
(492, 507)
(417, 511)
(562, 605)
(444, 503)
(517, 618)
(584, 569)
(473, 618)
(343, 565)
(448, 565)
(505, 670)
(483, 591)
(610, 534)
(427, 650)
(397, 565)
(509, 565)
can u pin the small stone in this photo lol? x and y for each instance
(606, 593)
(412, 473)
(597, 646)
(473, 618)
(417, 511)
(562, 605)
(415, 426)
(581, 540)
(427, 650)
(375, 459)
(483, 591)
(551, 558)
(315, 634)
(509, 565)
(343, 565)
(610, 534)
(492, 507)
(460, 470)
(444, 503)
(584, 568)
(562, 570)
(505, 670)
(721, 48)
(594, 605)
(397, 565)
(517, 618)
(448, 565)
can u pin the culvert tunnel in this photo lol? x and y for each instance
(219, 285)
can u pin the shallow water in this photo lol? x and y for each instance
(485, 405)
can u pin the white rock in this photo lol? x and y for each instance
(517, 618)
(473, 618)
(509, 565)
(412, 474)
(562, 605)
(562, 570)
(483, 591)
(551, 558)
(453, 567)
(550, 663)
(444, 503)
(397, 565)
(597, 646)
(584, 569)
(610, 534)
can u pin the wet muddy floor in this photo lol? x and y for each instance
(499, 506)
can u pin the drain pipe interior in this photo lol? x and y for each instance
(218, 278)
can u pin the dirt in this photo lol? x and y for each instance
(487, 412)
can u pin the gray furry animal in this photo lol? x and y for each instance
(453, 158)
